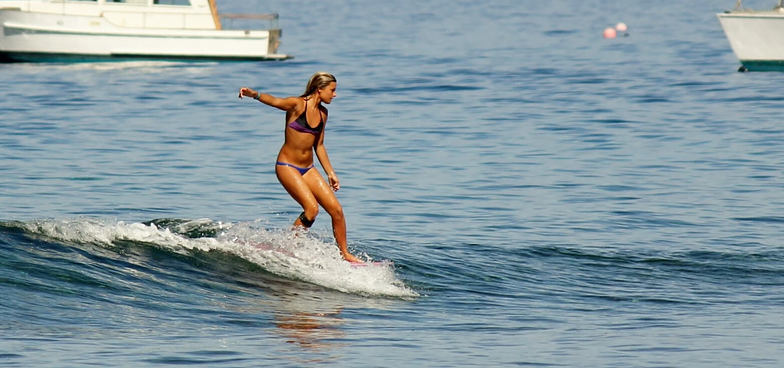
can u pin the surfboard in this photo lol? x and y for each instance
(269, 247)
(383, 263)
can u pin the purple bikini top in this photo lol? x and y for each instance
(300, 124)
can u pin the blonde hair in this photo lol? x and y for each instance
(317, 81)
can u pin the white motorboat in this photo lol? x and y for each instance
(87, 30)
(756, 37)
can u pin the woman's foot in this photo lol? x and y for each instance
(350, 258)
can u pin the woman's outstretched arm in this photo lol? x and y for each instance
(285, 104)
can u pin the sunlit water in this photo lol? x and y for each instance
(547, 197)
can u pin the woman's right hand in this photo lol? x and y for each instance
(245, 91)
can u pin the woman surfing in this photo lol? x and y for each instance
(306, 120)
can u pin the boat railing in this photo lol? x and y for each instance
(243, 21)
(739, 6)
(227, 21)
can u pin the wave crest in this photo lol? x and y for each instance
(294, 255)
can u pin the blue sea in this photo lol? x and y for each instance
(547, 197)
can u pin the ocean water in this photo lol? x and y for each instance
(547, 197)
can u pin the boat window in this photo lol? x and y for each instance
(172, 2)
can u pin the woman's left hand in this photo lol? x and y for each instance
(334, 182)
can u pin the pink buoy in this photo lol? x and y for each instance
(609, 33)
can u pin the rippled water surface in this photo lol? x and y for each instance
(548, 197)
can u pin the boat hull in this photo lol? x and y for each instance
(755, 38)
(27, 36)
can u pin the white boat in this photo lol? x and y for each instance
(756, 37)
(34, 30)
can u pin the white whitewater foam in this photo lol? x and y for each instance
(294, 255)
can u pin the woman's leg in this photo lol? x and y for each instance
(327, 199)
(298, 188)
